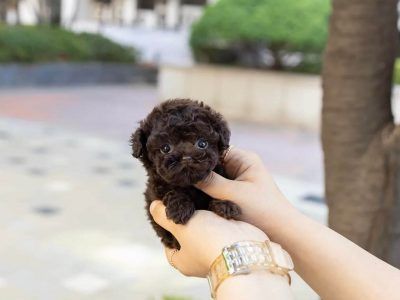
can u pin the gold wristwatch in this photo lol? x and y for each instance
(246, 256)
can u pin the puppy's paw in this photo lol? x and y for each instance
(180, 210)
(225, 209)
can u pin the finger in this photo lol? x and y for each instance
(157, 210)
(237, 161)
(221, 188)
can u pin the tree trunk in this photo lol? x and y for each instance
(278, 63)
(17, 11)
(360, 141)
(15, 6)
(41, 11)
(55, 12)
(3, 11)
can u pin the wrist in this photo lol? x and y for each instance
(282, 216)
(256, 285)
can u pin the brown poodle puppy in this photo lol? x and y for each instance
(179, 143)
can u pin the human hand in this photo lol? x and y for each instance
(251, 187)
(202, 238)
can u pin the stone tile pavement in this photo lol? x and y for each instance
(72, 223)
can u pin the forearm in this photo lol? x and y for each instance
(257, 285)
(332, 265)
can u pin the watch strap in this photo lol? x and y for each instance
(247, 256)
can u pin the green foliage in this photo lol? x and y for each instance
(48, 44)
(284, 26)
(102, 49)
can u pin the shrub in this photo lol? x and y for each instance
(277, 28)
(45, 44)
(102, 49)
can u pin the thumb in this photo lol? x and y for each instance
(221, 188)
(157, 211)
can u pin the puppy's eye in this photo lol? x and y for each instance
(201, 144)
(166, 148)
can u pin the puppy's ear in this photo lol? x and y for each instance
(221, 126)
(138, 143)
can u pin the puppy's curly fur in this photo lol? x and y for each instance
(179, 143)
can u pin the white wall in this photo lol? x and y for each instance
(28, 16)
(190, 13)
(172, 13)
(123, 12)
(27, 11)
(275, 98)
(269, 97)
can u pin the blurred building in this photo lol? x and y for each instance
(153, 14)
(158, 29)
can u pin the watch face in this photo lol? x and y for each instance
(242, 257)
(232, 260)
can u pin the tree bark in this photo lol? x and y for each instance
(17, 11)
(41, 11)
(3, 11)
(360, 140)
(15, 5)
(278, 63)
(55, 12)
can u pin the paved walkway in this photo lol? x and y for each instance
(71, 212)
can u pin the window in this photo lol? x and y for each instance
(146, 4)
(194, 2)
